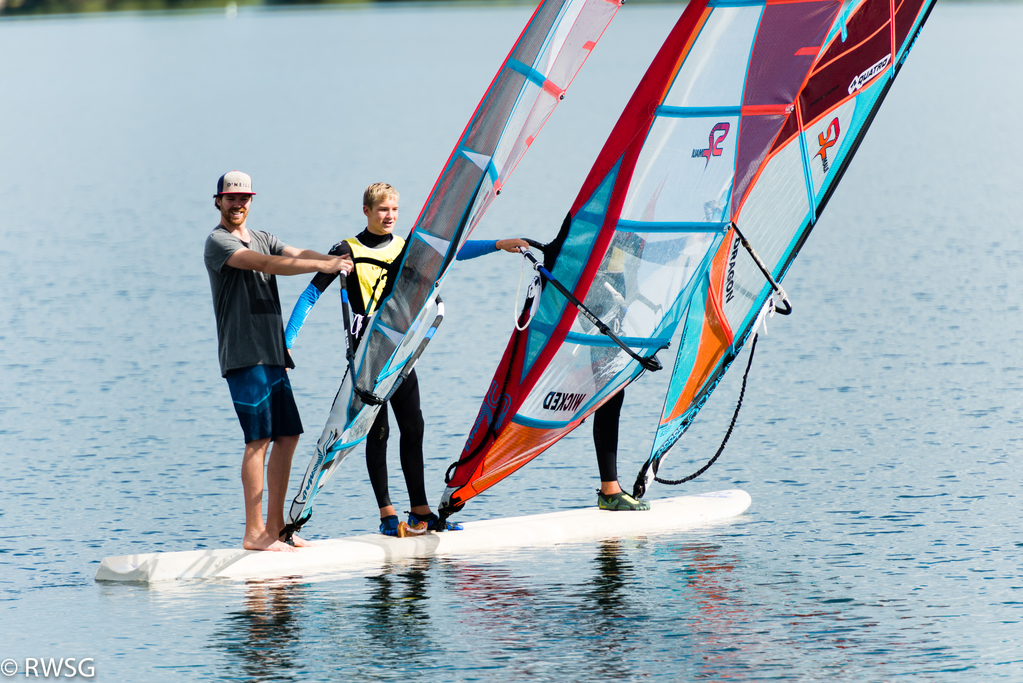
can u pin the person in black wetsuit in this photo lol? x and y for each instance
(605, 443)
(374, 250)
(607, 417)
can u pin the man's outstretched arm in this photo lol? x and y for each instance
(293, 262)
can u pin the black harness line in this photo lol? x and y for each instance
(786, 310)
(385, 272)
(647, 362)
(728, 433)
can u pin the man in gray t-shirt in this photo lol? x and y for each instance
(246, 302)
(243, 265)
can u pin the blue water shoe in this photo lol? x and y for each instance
(432, 521)
(389, 525)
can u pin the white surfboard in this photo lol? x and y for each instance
(667, 514)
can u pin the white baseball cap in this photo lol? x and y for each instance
(234, 182)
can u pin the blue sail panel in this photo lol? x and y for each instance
(685, 361)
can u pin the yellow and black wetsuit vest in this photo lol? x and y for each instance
(371, 268)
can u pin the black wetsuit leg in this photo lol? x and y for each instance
(605, 436)
(376, 457)
(409, 416)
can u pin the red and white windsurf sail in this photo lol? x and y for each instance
(747, 117)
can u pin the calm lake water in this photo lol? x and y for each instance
(879, 438)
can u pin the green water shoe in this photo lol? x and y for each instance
(620, 501)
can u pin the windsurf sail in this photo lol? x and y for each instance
(746, 119)
(529, 85)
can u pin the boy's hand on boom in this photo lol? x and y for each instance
(512, 245)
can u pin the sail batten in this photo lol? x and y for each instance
(696, 112)
(652, 226)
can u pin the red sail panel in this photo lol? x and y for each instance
(788, 39)
(863, 56)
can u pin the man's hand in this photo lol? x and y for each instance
(336, 264)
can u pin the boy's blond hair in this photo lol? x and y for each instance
(378, 192)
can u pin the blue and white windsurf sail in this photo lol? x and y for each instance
(532, 80)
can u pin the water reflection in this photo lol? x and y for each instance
(622, 607)
(711, 611)
(609, 584)
(395, 615)
(610, 608)
(537, 614)
(261, 637)
(675, 603)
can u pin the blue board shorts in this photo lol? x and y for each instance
(264, 402)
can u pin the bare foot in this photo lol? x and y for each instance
(266, 542)
(301, 542)
(294, 541)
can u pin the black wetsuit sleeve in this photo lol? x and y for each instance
(322, 280)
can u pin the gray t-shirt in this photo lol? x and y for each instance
(250, 329)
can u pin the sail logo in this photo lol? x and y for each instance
(713, 143)
(867, 75)
(730, 278)
(827, 142)
(558, 401)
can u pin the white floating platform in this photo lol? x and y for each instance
(667, 514)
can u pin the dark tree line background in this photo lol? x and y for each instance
(28, 7)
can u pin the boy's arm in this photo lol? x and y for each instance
(476, 248)
(300, 312)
